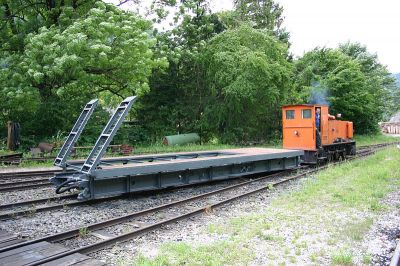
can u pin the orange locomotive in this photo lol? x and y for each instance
(311, 128)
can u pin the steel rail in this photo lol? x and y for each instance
(36, 201)
(9, 175)
(22, 182)
(24, 187)
(395, 261)
(102, 244)
(117, 220)
(19, 183)
(385, 144)
(74, 203)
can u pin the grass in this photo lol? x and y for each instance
(181, 148)
(218, 253)
(320, 223)
(367, 259)
(357, 230)
(374, 139)
(342, 258)
(84, 232)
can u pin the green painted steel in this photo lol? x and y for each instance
(181, 139)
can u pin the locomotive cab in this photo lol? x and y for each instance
(332, 140)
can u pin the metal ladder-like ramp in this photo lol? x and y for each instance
(76, 131)
(107, 135)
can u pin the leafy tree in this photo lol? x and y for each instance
(104, 53)
(249, 78)
(179, 96)
(21, 101)
(19, 18)
(264, 14)
(377, 76)
(107, 50)
(348, 86)
(176, 98)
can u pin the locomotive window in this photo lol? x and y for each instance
(306, 113)
(289, 114)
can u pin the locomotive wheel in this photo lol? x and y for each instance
(353, 150)
(337, 156)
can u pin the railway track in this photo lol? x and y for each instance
(26, 174)
(7, 211)
(100, 236)
(57, 203)
(379, 145)
(23, 185)
(15, 181)
(396, 256)
(186, 209)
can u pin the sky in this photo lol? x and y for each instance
(313, 23)
(326, 23)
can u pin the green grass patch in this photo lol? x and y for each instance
(159, 148)
(357, 230)
(47, 163)
(374, 139)
(218, 253)
(342, 258)
(360, 183)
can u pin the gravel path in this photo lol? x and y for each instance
(25, 195)
(379, 242)
(192, 231)
(384, 234)
(45, 223)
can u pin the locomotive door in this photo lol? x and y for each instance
(324, 125)
(298, 127)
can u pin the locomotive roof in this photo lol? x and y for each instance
(304, 104)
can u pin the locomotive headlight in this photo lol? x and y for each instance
(296, 133)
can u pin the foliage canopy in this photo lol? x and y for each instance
(249, 79)
(84, 53)
(224, 75)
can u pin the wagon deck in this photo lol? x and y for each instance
(97, 177)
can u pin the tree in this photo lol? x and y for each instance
(249, 78)
(18, 19)
(22, 17)
(377, 76)
(264, 14)
(176, 98)
(347, 86)
(104, 53)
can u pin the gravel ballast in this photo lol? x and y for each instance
(322, 233)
